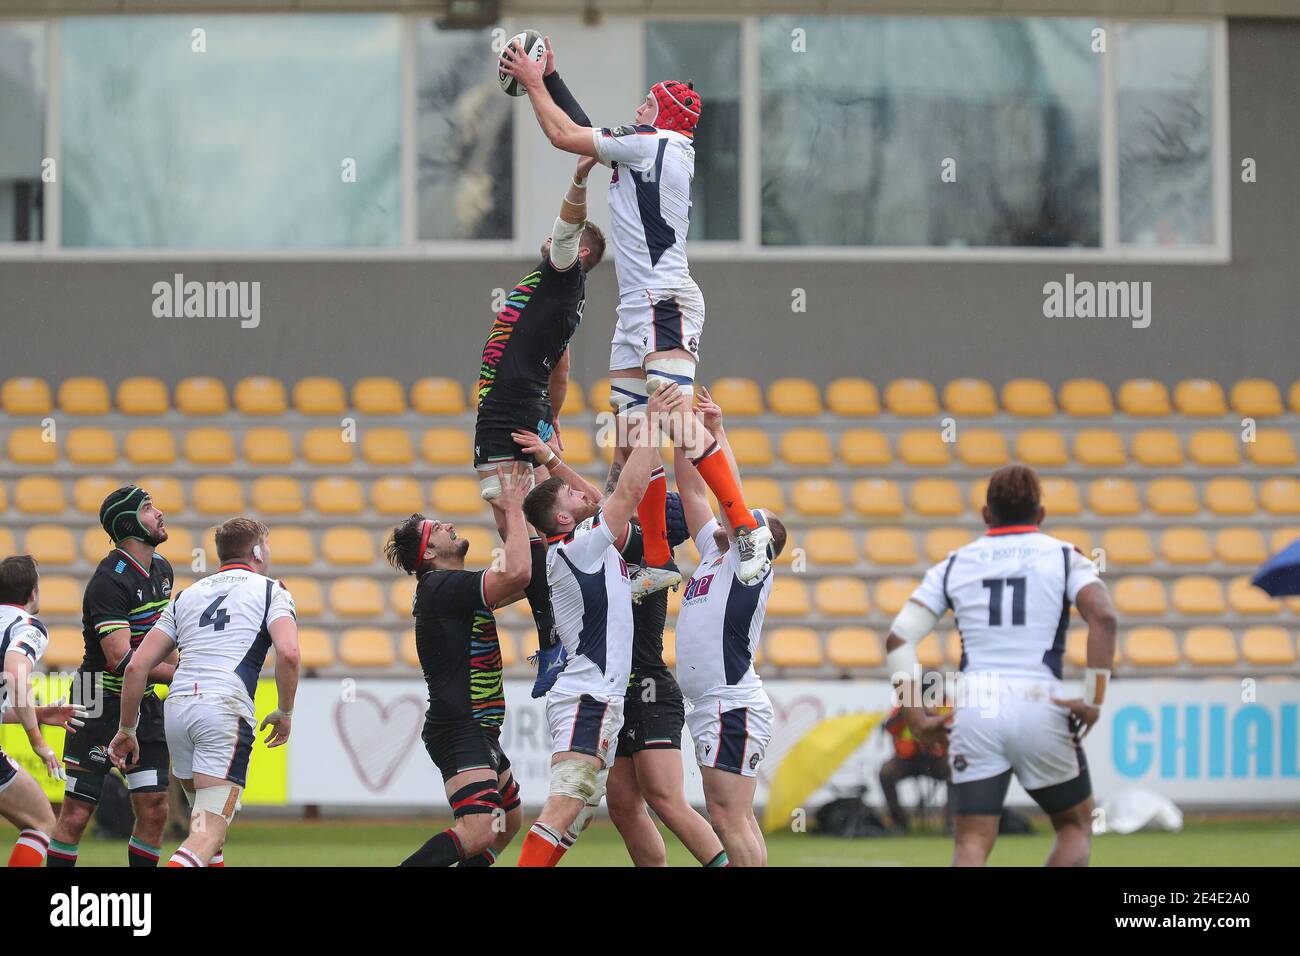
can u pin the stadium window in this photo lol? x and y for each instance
(708, 54)
(22, 118)
(244, 145)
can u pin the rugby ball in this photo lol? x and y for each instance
(535, 47)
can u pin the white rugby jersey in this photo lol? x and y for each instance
(720, 622)
(220, 624)
(20, 632)
(649, 204)
(1010, 592)
(591, 598)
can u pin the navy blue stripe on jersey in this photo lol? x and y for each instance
(587, 721)
(248, 669)
(668, 331)
(237, 772)
(947, 571)
(595, 612)
(659, 236)
(731, 739)
(1052, 657)
(737, 618)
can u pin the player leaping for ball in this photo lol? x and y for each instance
(660, 309)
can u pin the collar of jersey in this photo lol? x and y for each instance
(235, 567)
(133, 561)
(1012, 529)
(568, 536)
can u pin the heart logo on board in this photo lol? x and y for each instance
(378, 738)
(793, 720)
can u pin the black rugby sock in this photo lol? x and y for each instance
(442, 849)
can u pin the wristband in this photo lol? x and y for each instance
(1095, 681)
(553, 461)
(279, 713)
(580, 185)
(126, 731)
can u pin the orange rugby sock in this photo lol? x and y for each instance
(539, 845)
(654, 521)
(30, 849)
(717, 474)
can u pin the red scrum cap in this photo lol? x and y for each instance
(679, 106)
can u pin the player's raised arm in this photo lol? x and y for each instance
(556, 124)
(502, 584)
(559, 91)
(566, 235)
(546, 457)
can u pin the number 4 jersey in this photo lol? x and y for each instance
(221, 626)
(1010, 592)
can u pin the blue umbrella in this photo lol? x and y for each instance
(1281, 573)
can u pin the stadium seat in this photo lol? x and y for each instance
(941, 542)
(202, 395)
(1280, 496)
(830, 546)
(60, 596)
(268, 446)
(573, 403)
(1240, 546)
(327, 446)
(936, 497)
(816, 497)
(315, 649)
(889, 546)
(1199, 595)
(335, 495)
(864, 447)
(853, 397)
(66, 650)
(1172, 496)
(447, 446)
(277, 496)
(7, 543)
(952, 647)
(38, 495)
(1099, 448)
(806, 447)
(1199, 398)
(789, 598)
(1143, 397)
(793, 397)
(1210, 647)
(751, 446)
(260, 395)
(209, 446)
(457, 495)
(1267, 647)
(1185, 546)
(387, 446)
(1060, 497)
(1282, 538)
(1086, 398)
(217, 495)
(319, 395)
(892, 593)
(1076, 648)
(738, 397)
(378, 395)
(911, 397)
(179, 547)
(353, 596)
(1151, 647)
(407, 652)
(855, 648)
(84, 395)
(1256, 398)
(766, 493)
(841, 596)
(982, 448)
(142, 395)
(347, 546)
(396, 496)
(877, 497)
(167, 492)
(1230, 496)
(1140, 595)
(366, 647)
(790, 647)
(150, 446)
(1214, 447)
(1157, 448)
(91, 446)
(1042, 447)
(308, 597)
(1247, 599)
(27, 446)
(50, 544)
(482, 541)
(578, 448)
(598, 396)
(438, 396)
(1081, 538)
(401, 594)
(970, 397)
(1126, 547)
(929, 653)
(923, 448)
(1272, 447)
(1028, 398)
(88, 493)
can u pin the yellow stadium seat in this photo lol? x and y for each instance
(1042, 447)
(1230, 496)
(1210, 647)
(327, 446)
(88, 493)
(447, 446)
(598, 396)
(347, 546)
(217, 495)
(854, 648)
(573, 403)
(793, 396)
(1125, 547)
(737, 396)
(168, 493)
(438, 396)
(1140, 595)
(789, 598)
(1272, 447)
(308, 597)
(1157, 448)
(1086, 398)
(1245, 598)
(290, 545)
(1240, 546)
(378, 395)
(1099, 448)
(396, 496)
(366, 647)
(1199, 397)
(407, 652)
(7, 543)
(806, 447)
(38, 495)
(1199, 595)
(970, 397)
(142, 395)
(209, 446)
(892, 593)
(1256, 398)
(816, 496)
(1061, 497)
(60, 596)
(84, 395)
(890, 546)
(277, 496)
(1265, 646)
(26, 396)
(315, 649)
(830, 546)
(765, 493)
(260, 395)
(929, 653)
(1151, 647)
(268, 446)
(1214, 447)
(1172, 496)
(386, 446)
(936, 496)
(578, 448)
(1076, 648)
(982, 448)
(1185, 546)
(877, 497)
(923, 448)
(953, 649)
(66, 650)
(91, 446)
(319, 395)
(1143, 397)
(1081, 538)
(1028, 398)
(150, 446)
(202, 395)
(1280, 496)
(794, 647)
(911, 397)
(27, 446)
(337, 496)
(1282, 538)
(751, 446)
(179, 547)
(457, 495)
(853, 397)
(941, 542)
(401, 594)
(353, 596)
(864, 446)
(841, 596)
(50, 544)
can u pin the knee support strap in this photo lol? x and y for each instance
(481, 796)
(510, 795)
(575, 778)
(223, 800)
(670, 371)
(627, 396)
